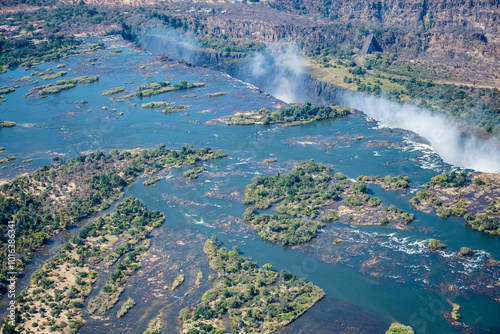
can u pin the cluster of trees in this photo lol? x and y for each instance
(14, 52)
(296, 186)
(193, 173)
(394, 182)
(455, 208)
(449, 180)
(404, 82)
(292, 115)
(483, 223)
(156, 88)
(283, 229)
(44, 26)
(463, 102)
(250, 296)
(303, 192)
(72, 263)
(58, 195)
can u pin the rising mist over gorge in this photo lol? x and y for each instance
(279, 71)
(445, 136)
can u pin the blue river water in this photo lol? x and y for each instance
(408, 284)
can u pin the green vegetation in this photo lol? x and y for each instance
(483, 223)
(48, 89)
(193, 173)
(435, 245)
(8, 90)
(125, 307)
(53, 76)
(217, 94)
(58, 290)
(151, 181)
(450, 195)
(293, 115)
(330, 217)
(299, 197)
(397, 328)
(339, 176)
(161, 104)
(296, 187)
(157, 88)
(231, 46)
(112, 91)
(387, 182)
(7, 124)
(465, 251)
(79, 80)
(55, 89)
(454, 313)
(6, 160)
(199, 279)
(405, 81)
(448, 180)
(177, 282)
(253, 298)
(133, 249)
(56, 196)
(154, 326)
(175, 109)
(456, 207)
(282, 229)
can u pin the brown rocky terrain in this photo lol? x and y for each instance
(454, 33)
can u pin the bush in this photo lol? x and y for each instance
(384, 221)
(478, 181)
(465, 251)
(435, 245)
(340, 176)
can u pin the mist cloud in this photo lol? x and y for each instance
(279, 71)
(453, 145)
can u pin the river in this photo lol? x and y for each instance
(405, 286)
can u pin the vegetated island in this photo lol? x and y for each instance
(7, 124)
(53, 76)
(253, 298)
(112, 91)
(293, 115)
(157, 88)
(397, 328)
(305, 193)
(56, 196)
(476, 197)
(61, 85)
(151, 181)
(193, 173)
(53, 301)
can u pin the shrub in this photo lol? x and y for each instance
(465, 251)
(435, 245)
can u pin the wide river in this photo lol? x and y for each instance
(403, 281)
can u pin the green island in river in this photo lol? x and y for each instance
(253, 298)
(56, 196)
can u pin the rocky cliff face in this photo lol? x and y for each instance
(456, 32)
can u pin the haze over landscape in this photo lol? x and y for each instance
(256, 166)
